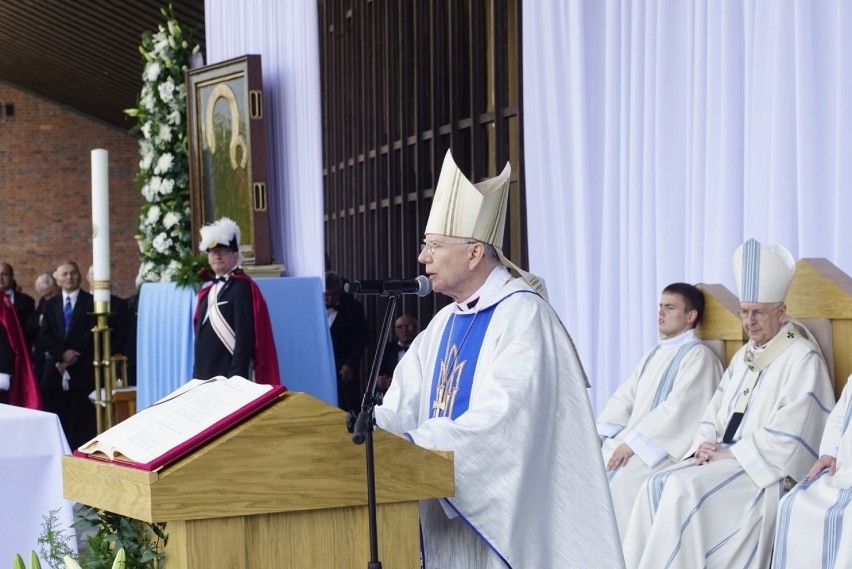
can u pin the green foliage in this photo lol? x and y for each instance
(193, 270)
(143, 544)
(118, 542)
(54, 543)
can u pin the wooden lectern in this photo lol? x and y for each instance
(286, 488)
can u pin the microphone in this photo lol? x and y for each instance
(421, 286)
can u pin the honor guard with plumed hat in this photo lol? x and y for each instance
(233, 333)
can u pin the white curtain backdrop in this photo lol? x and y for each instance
(660, 135)
(285, 34)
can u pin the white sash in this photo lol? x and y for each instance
(223, 330)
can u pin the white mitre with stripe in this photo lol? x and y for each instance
(763, 273)
(474, 211)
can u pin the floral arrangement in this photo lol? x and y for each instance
(165, 235)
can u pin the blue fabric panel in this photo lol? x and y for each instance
(164, 341)
(300, 325)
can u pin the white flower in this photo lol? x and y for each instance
(146, 129)
(161, 43)
(166, 90)
(144, 268)
(170, 219)
(152, 71)
(164, 163)
(174, 117)
(155, 182)
(147, 158)
(161, 243)
(148, 193)
(170, 270)
(165, 134)
(167, 186)
(147, 101)
(153, 213)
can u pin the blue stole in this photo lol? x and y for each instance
(455, 367)
(665, 387)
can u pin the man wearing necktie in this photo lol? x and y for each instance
(233, 334)
(406, 329)
(65, 338)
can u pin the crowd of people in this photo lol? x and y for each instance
(688, 465)
(46, 349)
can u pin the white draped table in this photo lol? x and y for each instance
(31, 449)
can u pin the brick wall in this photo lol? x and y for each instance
(46, 190)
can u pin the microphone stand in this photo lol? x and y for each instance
(362, 428)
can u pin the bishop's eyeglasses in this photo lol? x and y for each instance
(433, 246)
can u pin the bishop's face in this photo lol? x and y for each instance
(762, 320)
(446, 260)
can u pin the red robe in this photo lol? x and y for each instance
(24, 389)
(265, 355)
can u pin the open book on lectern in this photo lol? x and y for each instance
(180, 422)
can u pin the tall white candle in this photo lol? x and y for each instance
(100, 225)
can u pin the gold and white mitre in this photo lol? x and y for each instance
(474, 211)
(763, 273)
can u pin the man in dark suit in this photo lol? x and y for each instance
(233, 334)
(45, 288)
(406, 329)
(24, 304)
(348, 327)
(66, 338)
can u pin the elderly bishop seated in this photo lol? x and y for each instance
(759, 432)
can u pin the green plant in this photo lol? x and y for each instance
(118, 563)
(18, 562)
(54, 543)
(194, 269)
(143, 544)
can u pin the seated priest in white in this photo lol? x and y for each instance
(810, 524)
(648, 423)
(759, 433)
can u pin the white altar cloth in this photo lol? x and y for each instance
(31, 447)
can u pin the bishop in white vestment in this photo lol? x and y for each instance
(759, 432)
(495, 378)
(814, 519)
